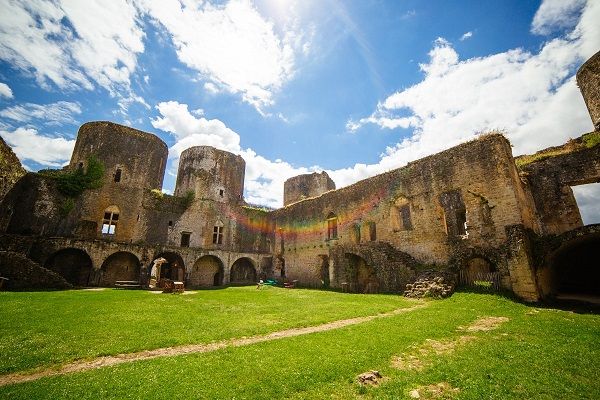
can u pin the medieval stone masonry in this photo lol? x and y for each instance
(473, 211)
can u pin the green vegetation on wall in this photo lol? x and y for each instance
(73, 183)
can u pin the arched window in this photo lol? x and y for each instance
(332, 226)
(109, 223)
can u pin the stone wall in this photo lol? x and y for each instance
(25, 274)
(419, 209)
(588, 80)
(10, 168)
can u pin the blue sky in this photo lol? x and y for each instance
(352, 87)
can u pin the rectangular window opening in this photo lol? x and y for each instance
(185, 239)
(118, 175)
(587, 198)
(332, 228)
(218, 235)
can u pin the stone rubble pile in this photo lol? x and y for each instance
(431, 284)
(369, 378)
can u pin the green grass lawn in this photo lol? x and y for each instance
(536, 354)
(51, 328)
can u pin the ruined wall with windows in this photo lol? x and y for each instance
(551, 173)
(462, 196)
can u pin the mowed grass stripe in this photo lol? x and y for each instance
(48, 329)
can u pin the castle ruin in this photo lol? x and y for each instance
(472, 209)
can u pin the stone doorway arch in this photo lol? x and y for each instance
(243, 272)
(120, 266)
(75, 265)
(206, 272)
(173, 269)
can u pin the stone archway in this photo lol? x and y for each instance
(120, 266)
(243, 272)
(75, 265)
(206, 272)
(173, 269)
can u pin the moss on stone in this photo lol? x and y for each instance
(587, 141)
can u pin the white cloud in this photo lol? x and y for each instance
(211, 88)
(71, 43)
(587, 200)
(28, 144)
(466, 35)
(5, 91)
(231, 45)
(59, 113)
(264, 178)
(532, 96)
(556, 14)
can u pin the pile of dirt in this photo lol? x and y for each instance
(24, 273)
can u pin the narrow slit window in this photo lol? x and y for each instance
(118, 175)
(218, 235)
(372, 231)
(221, 191)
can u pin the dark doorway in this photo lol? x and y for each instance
(363, 276)
(576, 267)
(173, 269)
(324, 259)
(243, 272)
(73, 264)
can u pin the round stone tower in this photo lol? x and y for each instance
(131, 158)
(304, 186)
(211, 174)
(588, 80)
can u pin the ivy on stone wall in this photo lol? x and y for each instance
(73, 183)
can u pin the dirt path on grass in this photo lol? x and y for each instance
(192, 348)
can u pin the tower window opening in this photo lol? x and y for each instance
(118, 175)
(221, 191)
(109, 222)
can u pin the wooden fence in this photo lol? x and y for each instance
(490, 280)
